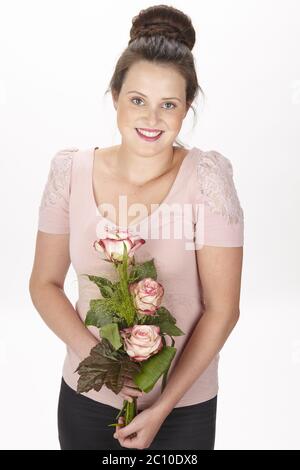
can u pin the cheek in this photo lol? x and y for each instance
(175, 122)
(127, 117)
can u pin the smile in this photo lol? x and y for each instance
(149, 136)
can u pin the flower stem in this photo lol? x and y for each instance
(130, 411)
(126, 296)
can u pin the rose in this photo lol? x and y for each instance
(142, 341)
(113, 244)
(147, 295)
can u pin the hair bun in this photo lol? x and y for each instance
(166, 21)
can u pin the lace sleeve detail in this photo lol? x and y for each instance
(215, 184)
(220, 217)
(54, 206)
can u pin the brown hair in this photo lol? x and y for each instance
(163, 35)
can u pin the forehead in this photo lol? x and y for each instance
(143, 75)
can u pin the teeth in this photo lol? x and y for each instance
(149, 134)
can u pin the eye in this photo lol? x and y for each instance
(171, 104)
(136, 99)
(139, 99)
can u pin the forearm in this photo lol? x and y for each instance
(59, 314)
(206, 341)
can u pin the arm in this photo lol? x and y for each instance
(220, 272)
(46, 284)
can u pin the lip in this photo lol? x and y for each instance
(149, 139)
(149, 130)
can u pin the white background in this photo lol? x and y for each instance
(56, 62)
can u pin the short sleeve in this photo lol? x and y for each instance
(220, 217)
(54, 206)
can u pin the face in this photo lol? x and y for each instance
(152, 97)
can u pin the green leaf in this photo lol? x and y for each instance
(106, 292)
(170, 329)
(165, 321)
(99, 313)
(111, 332)
(153, 368)
(105, 285)
(165, 315)
(105, 366)
(143, 270)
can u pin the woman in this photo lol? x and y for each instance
(153, 86)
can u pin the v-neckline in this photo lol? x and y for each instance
(166, 200)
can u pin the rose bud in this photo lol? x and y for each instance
(112, 244)
(142, 341)
(147, 295)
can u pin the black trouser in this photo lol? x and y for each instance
(83, 424)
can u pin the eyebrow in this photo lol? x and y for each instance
(139, 93)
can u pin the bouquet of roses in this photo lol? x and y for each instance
(132, 325)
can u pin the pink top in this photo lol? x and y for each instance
(205, 201)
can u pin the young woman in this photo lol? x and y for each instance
(153, 87)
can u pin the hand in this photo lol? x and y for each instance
(130, 390)
(141, 431)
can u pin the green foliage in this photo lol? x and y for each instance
(100, 313)
(112, 334)
(105, 366)
(108, 363)
(106, 287)
(143, 270)
(165, 321)
(153, 368)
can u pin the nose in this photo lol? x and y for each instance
(152, 119)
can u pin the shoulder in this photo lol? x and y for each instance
(215, 184)
(64, 155)
(105, 153)
(59, 176)
(61, 162)
(105, 159)
(106, 150)
(213, 162)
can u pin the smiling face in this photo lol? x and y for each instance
(152, 97)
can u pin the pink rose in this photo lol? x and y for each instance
(147, 295)
(142, 341)
(112, 244)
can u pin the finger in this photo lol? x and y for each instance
(129, 381)
(131, 442)
(126, 397)
(121, 422)
(119, 425)
(128, 430)
(131, 392)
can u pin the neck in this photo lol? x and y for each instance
(138, 168)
